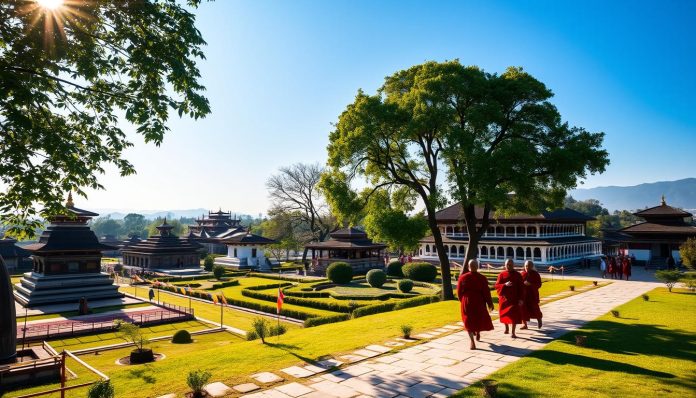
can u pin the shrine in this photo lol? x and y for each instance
(210, 231)
(245, 251)
(349, 245)
(66, 263)
(162, 251)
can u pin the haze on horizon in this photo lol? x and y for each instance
(279, 73)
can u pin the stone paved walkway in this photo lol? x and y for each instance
(445, 365)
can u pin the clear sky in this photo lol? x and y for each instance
(278, 73)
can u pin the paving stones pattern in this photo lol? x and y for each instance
(266, 377)
(217, 389)
(445, 365)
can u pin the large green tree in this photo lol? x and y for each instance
(70, 77)
(496, 140)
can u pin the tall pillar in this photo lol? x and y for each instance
(8, 319)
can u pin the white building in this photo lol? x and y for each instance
(246, 251)
(550, 238)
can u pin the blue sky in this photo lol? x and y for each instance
(278, 73)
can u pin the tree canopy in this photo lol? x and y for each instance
(70, 77)
(495, 139)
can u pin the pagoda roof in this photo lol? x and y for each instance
(246, 237)
(9, 249)
(349, 233)
(659, 228)
(347, 238)
(162, 244)
(58, 238)
(662, 211)
(455, 213)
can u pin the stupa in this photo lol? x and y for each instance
(66, 263)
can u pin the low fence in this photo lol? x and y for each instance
(44, 331)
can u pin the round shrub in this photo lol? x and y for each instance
(394, 268)
(182, 337)
(422, 272)
(405, 285)
(376, 277)
(339, 272)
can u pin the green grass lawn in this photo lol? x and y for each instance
(67, 314)
(231, 317)
(650, 351)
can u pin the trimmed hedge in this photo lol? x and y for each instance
(306, 302)
(405, 285)
(339, 272)
(394, 268)
(322, 320)
(376, 277)
(284, 278)
(307, 294)
(390, 306)
(423, 272)
(182, 337)
(234, 282)
(266, 287)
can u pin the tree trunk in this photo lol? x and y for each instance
(473, 232)
(447, 293)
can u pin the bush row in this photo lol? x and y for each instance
(306, 302)
(390, 306)
(283, 277)
(303, 294)
(321, 320)
(234, 282)
(270, 286)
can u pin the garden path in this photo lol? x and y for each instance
(445, 365)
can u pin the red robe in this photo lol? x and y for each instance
(509, 296)
(474, 294)
(627, 267)
(530, 309)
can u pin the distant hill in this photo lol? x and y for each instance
(153, 214)
(680, 193)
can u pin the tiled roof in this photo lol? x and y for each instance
(455, 213)
(663, 210)
(247, 238)
(8, 249)
(649, 227)
(514, 241)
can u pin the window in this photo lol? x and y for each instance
(235, 252)
(253, 253)
(427, 248)
(484, 251)
(519, 252)
(510, 252)
(501, 252)
(537, 253)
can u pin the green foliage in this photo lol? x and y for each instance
(132, 334)
(393, 305)
(669, 278)
(209, 262)
(405, 285)
(178, 228)
(277, 329)
(322, 320)
(101, 389)
(251, 335)
(233, 282)
(394, 268)
(182, 337)
(687, 252)
(218, 272)
(134, 225)
(196, 380)
(70, 84)
(376, 277)
(336, 306)
(420, 271)
(106, 226)
(261, 328)
(406, 331)
(284, 277)
(339, 272)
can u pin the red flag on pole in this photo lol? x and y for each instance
(281, 297)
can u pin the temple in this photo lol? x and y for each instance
(212, 230)
(13, 255)
(654, 240)
(162, 251)
(550, 238)
(66, 263)
(245, 251)
(349, 245)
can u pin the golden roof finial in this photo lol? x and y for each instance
(664, 203)
(69, 203)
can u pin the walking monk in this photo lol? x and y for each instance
(474, 295)
(532, 283)
(510, 289)
(626, 267)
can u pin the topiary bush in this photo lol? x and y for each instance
(218, 272)
(340, 273)
(101, 389)
(405, 285)
(394, 268)
(182, 337)
(423, 272)
(376, 277)
(209, 262)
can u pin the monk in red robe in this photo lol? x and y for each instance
(612, 267)
(510, 288)
(532, 283)
(474, 295)
(626, 267)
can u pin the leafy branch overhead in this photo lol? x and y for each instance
(70, 76)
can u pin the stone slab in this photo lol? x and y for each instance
(246, 387)
(296, 371)
(378, 348)
(167, 396)
(217, 389)
(294, 389)
(330, 363)
(350, 358)
(266, 377)
(366, 353)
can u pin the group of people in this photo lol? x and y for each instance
(518, 299)
(616, 267)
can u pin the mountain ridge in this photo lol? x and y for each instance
(679, 193)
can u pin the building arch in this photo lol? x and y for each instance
(519, 253)
(510, 252)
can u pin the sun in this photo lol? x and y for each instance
(50, 4)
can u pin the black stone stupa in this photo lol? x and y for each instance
(67, 264)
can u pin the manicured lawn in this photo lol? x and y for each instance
(648, 352)
(231, 360)
(20, 316)
(231, 317)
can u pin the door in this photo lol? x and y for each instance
(664, 250)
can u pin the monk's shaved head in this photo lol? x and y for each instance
(529, 264)
(509, 264)
(473, 265)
